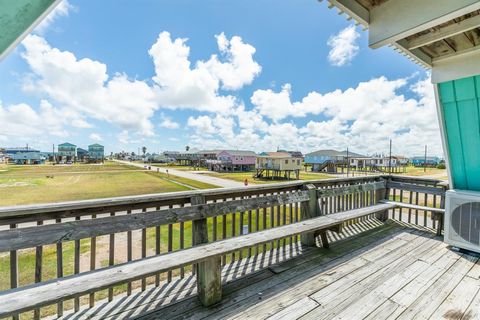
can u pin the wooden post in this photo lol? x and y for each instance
(440, 217)
(209, 280)
(381, 194)
(310, 210)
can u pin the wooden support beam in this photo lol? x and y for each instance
(209, 272)
(310, 209)
(445, 32)
(381, 194)
(395, 20)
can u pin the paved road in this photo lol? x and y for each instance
(190, 175)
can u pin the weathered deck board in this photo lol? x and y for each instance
(239, 299)
(387, 272)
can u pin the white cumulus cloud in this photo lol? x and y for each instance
(95, 137)
(343, 46)
(61, 10)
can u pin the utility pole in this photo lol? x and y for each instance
(348, 164)
(425, 160)
(390, 159)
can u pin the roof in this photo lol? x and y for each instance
(66, 144)
(326, 153)
(334, 153)
(431, 33)
(276, 155)
(208, 151)
(243, 153)
(96, 145)
(423, 158)
(81, 150)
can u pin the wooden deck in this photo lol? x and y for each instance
(390, 271)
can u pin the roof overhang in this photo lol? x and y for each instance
(437, 34)
(18, 18)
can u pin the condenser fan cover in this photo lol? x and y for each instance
(465, 221)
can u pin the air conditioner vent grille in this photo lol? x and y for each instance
(465, 221)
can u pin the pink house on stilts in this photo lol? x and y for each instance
(233, 160)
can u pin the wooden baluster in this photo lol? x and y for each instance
(410, 200)
(14, 269)
(264, 226)
(425, 213)
(224, 234)
(182, 243)
(214, 227)
(257, 224)
(290, 221)
(272, 223)
(111, 257)
(434, 222)
(209, 281)
(250, 228)
(170, 247)
(394, 191)
(59, 252)
(76, 268)
(278, 209)
(242, 216)
(93, 259)
(416, 211)
(38, 270)
(129, 254)
(234, 229)
(401, 210)
(144, 251)
(284, 222)
(158, 234)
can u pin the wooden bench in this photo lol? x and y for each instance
(205, 255)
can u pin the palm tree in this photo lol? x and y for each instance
(144, 150)
(187, 148)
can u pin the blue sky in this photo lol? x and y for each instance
(290, 74)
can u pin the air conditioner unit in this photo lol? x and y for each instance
(462, 219)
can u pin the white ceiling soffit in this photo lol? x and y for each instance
(411, 26)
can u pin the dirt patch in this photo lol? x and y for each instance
(16, 184)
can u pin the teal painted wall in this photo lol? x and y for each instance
(16, 16)
(460, 105)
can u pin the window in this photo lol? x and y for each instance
(298, 161)
(286, 161)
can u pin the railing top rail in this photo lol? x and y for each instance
(177, 197)
(88, 207)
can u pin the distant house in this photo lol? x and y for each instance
(82, 154)
(232, 160)
(329, 159)
(419, 161)
(3, 156)
(96, 152)
(67, 152)
(27, 158)
(204, 155)
(187, 158)
(171, 154)
(161, 158)
(277, 165)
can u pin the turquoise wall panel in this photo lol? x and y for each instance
(459, 100)
(16, 16)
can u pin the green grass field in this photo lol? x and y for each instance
(241, 176)
(30, 184)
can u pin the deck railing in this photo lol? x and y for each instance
(30, 260)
